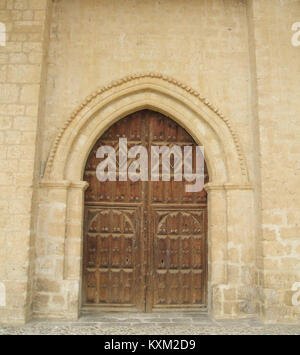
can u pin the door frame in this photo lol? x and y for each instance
(230, 193)
(145, 261)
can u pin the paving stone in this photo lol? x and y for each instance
(181, 321)
(161, 320)
(113, 325)
(203, 321)
(127, 324)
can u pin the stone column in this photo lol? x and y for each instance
(49, 293)
(231, 244)
(59, 250)
(240, 293)
(217, 248)
(73, 248)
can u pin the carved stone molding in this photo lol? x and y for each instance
(55, 184)
(218, 187)
(148, 75)
(65, 185)
(81, 185)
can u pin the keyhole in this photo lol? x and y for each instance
(162, 261)
(127, 261)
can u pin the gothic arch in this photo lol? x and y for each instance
(208, 126)
(230, 195)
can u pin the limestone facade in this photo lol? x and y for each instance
(227, 71)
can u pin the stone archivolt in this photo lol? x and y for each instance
(134, 77)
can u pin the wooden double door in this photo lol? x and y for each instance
(144, 242)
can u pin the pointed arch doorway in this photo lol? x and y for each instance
(145, 243)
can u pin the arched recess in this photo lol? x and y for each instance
(197, 115)
(228, 189)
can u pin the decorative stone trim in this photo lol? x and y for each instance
(82, 185)
(150, 75)
(219, 187)
(55, 184)
(212, 187)
(238, 187)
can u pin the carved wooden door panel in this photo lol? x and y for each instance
(177, 238)
(113, 266)
(144, 242)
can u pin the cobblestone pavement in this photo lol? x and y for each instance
(149, 324)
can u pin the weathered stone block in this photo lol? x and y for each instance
(44, 285)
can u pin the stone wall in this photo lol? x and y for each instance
(201, 43)
(195, 42)
(236, 53)
(21, 78)
(276, 108)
